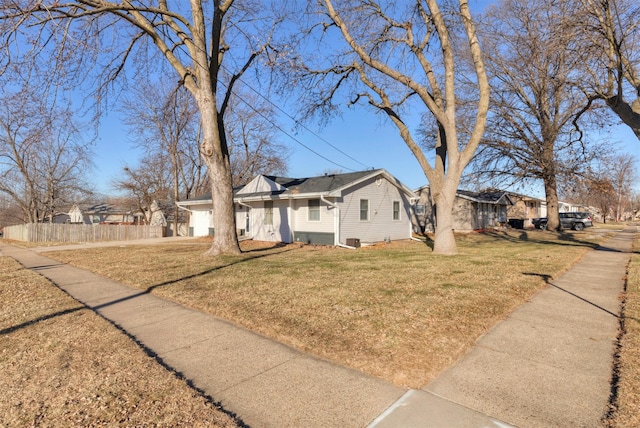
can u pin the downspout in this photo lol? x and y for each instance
(291, 220)
(336, 224)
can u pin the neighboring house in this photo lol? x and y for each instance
(525, 209)
(107, 213)
(471, 210)
(337, 209)
(75, 215)
(568, 207)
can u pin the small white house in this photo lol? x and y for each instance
(337, 209)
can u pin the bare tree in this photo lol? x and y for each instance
(165, 120)
(533, 131)
(610, 33)
(196, 40)
(601, 193)
(623, 174)
(43, 161)
(147, 183)
(607, 185)
(400, 59)
(253, 140)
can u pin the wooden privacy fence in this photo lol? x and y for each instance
(53, 232)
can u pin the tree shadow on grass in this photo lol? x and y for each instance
(542, 237)
(40, 319)
(258, 254)
(148, 351)
(425, 239)
(254, 254)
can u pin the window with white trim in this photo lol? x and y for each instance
(364, 209)
(396, 210)
(314, 210)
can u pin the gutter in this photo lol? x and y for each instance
(239, 202)
(336, 224)
(183, 208)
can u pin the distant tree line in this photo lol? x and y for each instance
(512, 95)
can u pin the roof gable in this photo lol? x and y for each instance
(260, 184)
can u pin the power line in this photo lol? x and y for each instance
(298, 123)
(285, 132)
(289, 116)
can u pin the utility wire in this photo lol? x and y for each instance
(282, 130)
(297, 122)
(285, 132)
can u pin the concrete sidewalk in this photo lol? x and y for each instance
(548, 364)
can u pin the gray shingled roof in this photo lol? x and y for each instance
(321, 184)
(487, 196)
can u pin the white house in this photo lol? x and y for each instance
(337, 209)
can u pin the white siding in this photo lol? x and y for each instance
(381, 194)
(276, 232)
(301, 217)
(201, 220)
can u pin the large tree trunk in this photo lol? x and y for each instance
(551, 192)
(216, 157)
(444, 241)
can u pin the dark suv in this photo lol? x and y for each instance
(576, 221)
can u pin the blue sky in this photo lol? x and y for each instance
(369, 138)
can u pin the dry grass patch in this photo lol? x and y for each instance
(628, 400)
(611, 225)
(62, 365)
(394, 311)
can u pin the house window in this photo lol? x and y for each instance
(314, 210)
(364, 209)
(95, 219)
(419, 209)
(396, 210)
(268, 213)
